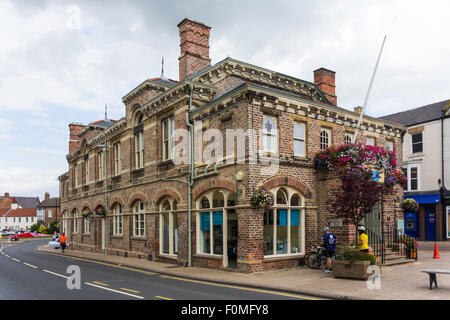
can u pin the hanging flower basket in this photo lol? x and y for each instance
(262, 199)
(101, 212)
(410, 205)
(86, 213)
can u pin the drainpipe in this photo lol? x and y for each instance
(191, 174)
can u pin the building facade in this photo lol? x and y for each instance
(48, 210)
(240, 127)
(426, 162)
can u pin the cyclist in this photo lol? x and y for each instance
(363, 240)
(328, 241)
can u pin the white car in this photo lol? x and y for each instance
(54, 243)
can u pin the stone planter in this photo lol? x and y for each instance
(356, 270)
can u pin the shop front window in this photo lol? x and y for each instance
(282, 230)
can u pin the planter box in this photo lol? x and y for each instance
(356, 270)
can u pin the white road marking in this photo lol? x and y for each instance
(30, 265)
(56, 274)
(116, 291)
(16, 259)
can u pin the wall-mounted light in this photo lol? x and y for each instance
(239, 176)
(154, 134)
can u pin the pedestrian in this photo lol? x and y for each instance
(62, 241)
(363, 240)
(329, 241)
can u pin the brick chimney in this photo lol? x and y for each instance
(194, 47)
(6, 194)
(74, 140)
(47, 196)
(324, 79)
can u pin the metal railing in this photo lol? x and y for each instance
(377, 245)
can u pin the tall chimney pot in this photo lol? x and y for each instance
(324, 79)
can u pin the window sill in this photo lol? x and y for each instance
(165, 162)
(142, 238)
(209, 256)
(168, 256)
(117, 236)
(285, 256)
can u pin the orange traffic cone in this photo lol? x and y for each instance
(436, 251)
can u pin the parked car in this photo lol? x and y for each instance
(14, 238)
(54, 243)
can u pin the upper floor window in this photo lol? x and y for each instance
(348, 138)
(101, 169)
(370, 141)
(413, 178)
(417, 145)
(139, 141)
(325, 139)
(299, 139)
(75, 174)
(117, 158)
(168, 136)
(389, 145)
(270, 134)
(86, 168)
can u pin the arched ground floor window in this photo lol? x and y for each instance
(168, 230)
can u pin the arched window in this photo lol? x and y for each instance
(75, 220)
(168, 235)
(117, 219)
(325, 139)
(64, 222)
(213, 209)
(139, 219)
(139, 140)
(86, 223)
(283, 223)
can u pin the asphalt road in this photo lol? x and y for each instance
(30, 275)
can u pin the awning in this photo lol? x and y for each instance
(425, 198)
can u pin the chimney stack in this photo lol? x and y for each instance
(324, 79)
(357, 109)
(6, 194)
(194, 47)
(47, 196)
(74, 141)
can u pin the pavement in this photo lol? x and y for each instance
(401, 282)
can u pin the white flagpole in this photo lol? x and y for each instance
(368, 93)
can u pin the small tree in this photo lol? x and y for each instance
(34, 227)
(357, 195)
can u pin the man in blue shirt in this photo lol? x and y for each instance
(328, 241)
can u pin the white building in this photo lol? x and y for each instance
(426, 161)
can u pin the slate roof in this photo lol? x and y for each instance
(24, 202)
(418, 115)
(51, 202)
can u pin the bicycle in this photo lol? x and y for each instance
(316, 257)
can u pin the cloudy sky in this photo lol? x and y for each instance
(61, 61)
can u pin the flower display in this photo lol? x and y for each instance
(100, 211)
(410, 205)
(262, 198)
(86, 213)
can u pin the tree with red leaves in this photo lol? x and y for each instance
(357, 195)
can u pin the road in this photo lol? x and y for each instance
(30, 275)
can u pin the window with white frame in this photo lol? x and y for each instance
(101, 168)
(168, 136)
(325, 139)
(348, 138)
(417, 143)
(75, 221)
(284, 228)
(117, 220)
(299, 139)
(139, 141)
(413, 178)
(49, 213)
(370, 141)
(86, 168)
(390, 145)
(270, 137)
(139, 219)
(214, 208)
(86, 225)
(117, 159)
(168, 231)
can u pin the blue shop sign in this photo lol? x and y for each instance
(425, 198)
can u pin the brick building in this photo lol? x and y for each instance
(200, 213)
(48, 210)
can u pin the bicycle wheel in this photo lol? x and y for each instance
(312, 261)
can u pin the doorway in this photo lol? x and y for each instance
(372, 221)
(430, 223)
(232, 236)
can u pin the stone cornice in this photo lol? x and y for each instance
(139, 90)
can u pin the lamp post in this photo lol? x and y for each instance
(105, 147)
